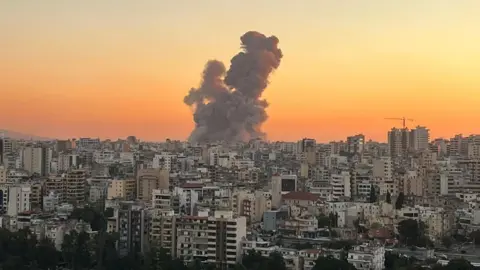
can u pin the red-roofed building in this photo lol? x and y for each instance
(300, 198)
(380, 233)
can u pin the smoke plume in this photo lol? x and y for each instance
(228, 106)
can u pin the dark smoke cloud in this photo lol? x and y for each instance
(228, 105)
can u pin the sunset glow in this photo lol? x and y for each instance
(119, 68)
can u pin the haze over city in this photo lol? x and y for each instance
(249, 134)
(117, 68)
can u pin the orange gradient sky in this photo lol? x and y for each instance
(114, 68)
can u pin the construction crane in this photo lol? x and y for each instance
(403, 119)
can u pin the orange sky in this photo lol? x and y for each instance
(119, 68)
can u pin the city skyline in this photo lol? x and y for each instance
(76, 70)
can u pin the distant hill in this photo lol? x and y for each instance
(22, 136)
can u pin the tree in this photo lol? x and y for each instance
(400, 200)
(359, 227)
(90, 215)
(47, 256)
(394, 261)
(388, 198)
(411, 232)
(373, 195)
(475, 237)
(330, 263)
(459, 264)
(447, 241)
(253, 260)
(323, 221)
(333, 219)
(276, 262)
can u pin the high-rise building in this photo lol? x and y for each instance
(356, 144)
(398, 141)
(215, 239)
(63, 145)
(276, 191)
(36, 160)
(18, 199)
(67, 161)
(3, 174)
(1, 151)
(306, 145)
(121, 189)
(419, 138)
(161, 199)
(75, 186)
(132, 222)
(163, 229)
(341, 185)
(383, 175)
(150, 179)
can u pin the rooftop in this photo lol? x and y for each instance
(300, 196)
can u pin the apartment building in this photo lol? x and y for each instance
(131, 221)
(3, 173)
(398, 141)
(341, 185)
(214, 238)
(161, 199)
(121, 189)
(57, 185)
(18, 199)
(150, 179)
(367, 257)
(75, 182)
(163, 231)
(36, 160)
(419, 138)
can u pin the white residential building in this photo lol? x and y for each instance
(18, 199)
(164, 160)
(36, 160)
(341, 185)
(367, 257)
(161, 199)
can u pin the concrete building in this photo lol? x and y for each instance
(122, 189)
(272, 218)
(276, 191)
(216, 239)
(97, 188)
(383, 175)
(66, 162)
(163, 231)
(419, 138)
(252, 205)
(356, 144)
(18, 199)
(132, 222)
(161, 199)
(87, 143)
(50, 201)
(36, 160)
(150, 179)
(56, 184)
(164, 160)
(367, 257)
(340, 185)
(75, 187)
(3, 174)
(398, 141)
